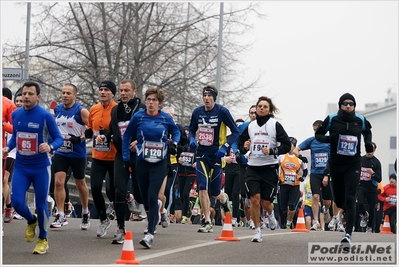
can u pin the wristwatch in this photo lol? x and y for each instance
(51, 149)
(82, 138)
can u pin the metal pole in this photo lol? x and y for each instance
(219, 58)
(185, 63)
(26, 69)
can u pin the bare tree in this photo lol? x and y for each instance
(172, 46)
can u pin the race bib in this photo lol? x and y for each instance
(27, 143)
(392, 199)
(104, 147)
(364, 175)
(206, 136)
(320, 160)
(153, 151)
(257, 144)
(347, 145)
(67, 146)
(188, 158)
(289, 177)
(122, 125)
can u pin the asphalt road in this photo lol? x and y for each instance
(175, 245)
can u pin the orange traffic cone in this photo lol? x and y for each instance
(227, 232)
(300, 223)
(127, 256)
(386, 228)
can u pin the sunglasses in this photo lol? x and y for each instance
(348, 103)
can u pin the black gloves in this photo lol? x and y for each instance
(89, 133)
(369, 147)
(238, 157)
(74, 139)
(172, 149)
(301, 179)
(304, 159)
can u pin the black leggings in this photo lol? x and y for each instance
(391, 212)
(122, 187)
(370, 198)
(232, 189)
(185, 184)
(150, 177)
(98, 172)
(345, 181)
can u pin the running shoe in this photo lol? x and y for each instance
(16, 216)
(364, 219)
(248, 224)
(59, 221)
(288, 226)
(184, 220)
(369, 229)
(272, 222)
(234, 222)
(85, 224)
(41, 246)
(346, 242)
(110, 211)
(172, 218)
(147, 241)
(8, 215)
(316, 226)
(131, 205)
(164, 218)
(103, 227)
(68, 209)
(327, 216)
(340, 227)
(332, 223)
(54, 212)
(258, 236)
(251, 224)
(30, 232)
(207, 227)
(119, 237)
(262, 224)
(226, 206)
(146, 230)
(266, 222)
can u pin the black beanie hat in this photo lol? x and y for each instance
(7, 93)
(110, 85)
(344, 97)
(393, 175)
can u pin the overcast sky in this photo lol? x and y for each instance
(308, 52)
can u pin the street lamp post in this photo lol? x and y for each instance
(26, 68)
(219, 57)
